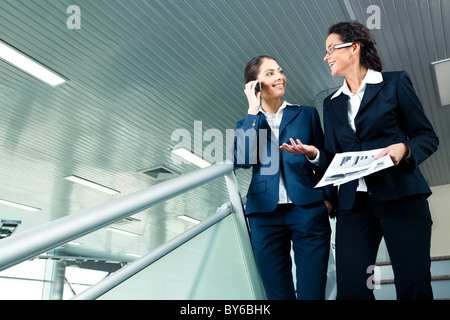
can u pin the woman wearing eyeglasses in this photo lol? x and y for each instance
(375, 110)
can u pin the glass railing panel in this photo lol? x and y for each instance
(209, 266)
(23, 281)
(105, 252)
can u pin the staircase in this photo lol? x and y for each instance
(440, 281)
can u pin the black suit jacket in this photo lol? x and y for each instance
(390, 113)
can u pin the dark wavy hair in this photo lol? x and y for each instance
(252, 69)
(354, 31)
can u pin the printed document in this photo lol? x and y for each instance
(350, 166)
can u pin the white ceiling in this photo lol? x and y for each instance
(140, 69)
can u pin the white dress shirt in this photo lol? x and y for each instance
(354, 102)
(274, 121)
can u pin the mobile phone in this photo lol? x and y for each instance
(258, 87)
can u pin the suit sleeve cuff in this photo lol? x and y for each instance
(315, 161)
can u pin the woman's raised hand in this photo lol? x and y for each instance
(254, 100)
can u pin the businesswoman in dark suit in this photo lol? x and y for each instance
(282, 204)
(378, 110)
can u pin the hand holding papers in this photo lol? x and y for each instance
(350, 166)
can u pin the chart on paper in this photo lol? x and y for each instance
(350, 166)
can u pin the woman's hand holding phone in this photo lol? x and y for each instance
(254, 98)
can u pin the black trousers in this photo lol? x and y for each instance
(405, 225)
(308, 228)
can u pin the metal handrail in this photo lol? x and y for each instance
(30, 243)
(136, 266)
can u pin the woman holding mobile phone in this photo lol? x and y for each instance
(282, 205)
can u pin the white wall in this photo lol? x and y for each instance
(440, 213)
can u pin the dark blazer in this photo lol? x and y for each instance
(255, 146)
(390, 113)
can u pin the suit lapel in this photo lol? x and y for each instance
(263, 122)
(340, 109)
(289, 114)
(370, 92)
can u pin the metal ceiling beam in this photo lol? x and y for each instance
(350, 10)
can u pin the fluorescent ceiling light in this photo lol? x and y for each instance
(74, 243)
(189, 219)
(134, 255)
(442, 72)
(127, 233)
(17, 205)
(92, 185)
(192, 158)
(28, 65)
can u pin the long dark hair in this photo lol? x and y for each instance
(354, 31)
(252, 69)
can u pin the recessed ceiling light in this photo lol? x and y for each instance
(159, 173)
(189, 219)
(127, 233)
(28, 65)
(442, 73)
(192, 158)
(91, 184)
(18, 205)
(7, 227)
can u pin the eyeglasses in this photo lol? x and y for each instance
(332, 48)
